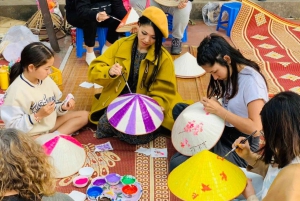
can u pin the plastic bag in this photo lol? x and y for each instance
(211, 12)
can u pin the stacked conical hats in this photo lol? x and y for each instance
(186, 66)
(66, 153)
(207, 176)
(135, 114)
(130, 19)
(196, 129)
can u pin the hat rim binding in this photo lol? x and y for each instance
(182, 196)
(173, 134)
(58, 174)
(149, 132)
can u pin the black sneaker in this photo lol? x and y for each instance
(176, 46)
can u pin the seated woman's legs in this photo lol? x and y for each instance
(71, 122)
(104, 129)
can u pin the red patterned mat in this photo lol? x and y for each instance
(152, 173)
(271, 41)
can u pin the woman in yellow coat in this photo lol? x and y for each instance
(146, 65)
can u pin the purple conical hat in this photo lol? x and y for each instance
(135, 114)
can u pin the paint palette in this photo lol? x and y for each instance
(114, 192)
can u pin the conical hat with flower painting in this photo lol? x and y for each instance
(130, 19)
(67, 155)
(207, 176)
(196, 129)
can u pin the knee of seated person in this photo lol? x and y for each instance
(177, 109)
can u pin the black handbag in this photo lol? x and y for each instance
(102, 6)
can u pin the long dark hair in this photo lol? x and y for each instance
(212, 50)
(157, 48)
(280, 120)
(35, 53)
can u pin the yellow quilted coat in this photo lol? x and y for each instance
(163, 89)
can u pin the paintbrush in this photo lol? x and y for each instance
(242, 142)
(114, 18)
(126, 82)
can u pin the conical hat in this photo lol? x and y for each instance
(207, 176)
(186, 66)
(169, 3)
(135, 114)
(67, 154)
(131, 18)
(195, 130)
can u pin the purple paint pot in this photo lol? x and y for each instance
(80, 181)
(98, 181)
(94, 192)
(113, 179)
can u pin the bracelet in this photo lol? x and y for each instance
(225, 115)
(37, 119)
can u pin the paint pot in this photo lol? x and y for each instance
(86, 171)
(80, 181)
(94, 192)
(128, 179)
(113, 179)
(129, 190)
(98, 181)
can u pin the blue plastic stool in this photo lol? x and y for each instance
(170, 27)
(101, 38)
(232, 9)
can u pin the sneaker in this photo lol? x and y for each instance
(176, 46)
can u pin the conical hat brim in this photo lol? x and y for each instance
(135, 114)
(66, 154)
(186, 66)
(207, 176)
(130, 19)
(195, 130)
(169, 3)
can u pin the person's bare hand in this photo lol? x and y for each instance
(69, 105)
(211, 105)
(116, 69)
(243, 150)
(249, 190)
(182, 4)
(46, 110)
(134, 28)
(101, 16)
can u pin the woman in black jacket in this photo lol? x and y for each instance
(89, 14)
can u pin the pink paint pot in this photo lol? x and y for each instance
(80, 181)
(98, 181)
(129, 190)
(113, 179)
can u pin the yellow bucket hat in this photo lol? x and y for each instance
(159, 18)
(207, 176)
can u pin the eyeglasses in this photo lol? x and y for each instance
(262, 133)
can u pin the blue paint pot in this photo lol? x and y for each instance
(94, 192)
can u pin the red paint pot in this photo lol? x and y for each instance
(129, 190)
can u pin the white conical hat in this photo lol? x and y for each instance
(131, 18)
(67, 154)
(186, 66)
(135, 114)
(195, 130)
(169, 3)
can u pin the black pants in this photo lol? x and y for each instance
(90, 26)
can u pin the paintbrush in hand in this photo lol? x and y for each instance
(242, 142)
(126, 82)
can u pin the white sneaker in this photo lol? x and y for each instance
(90, 57)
